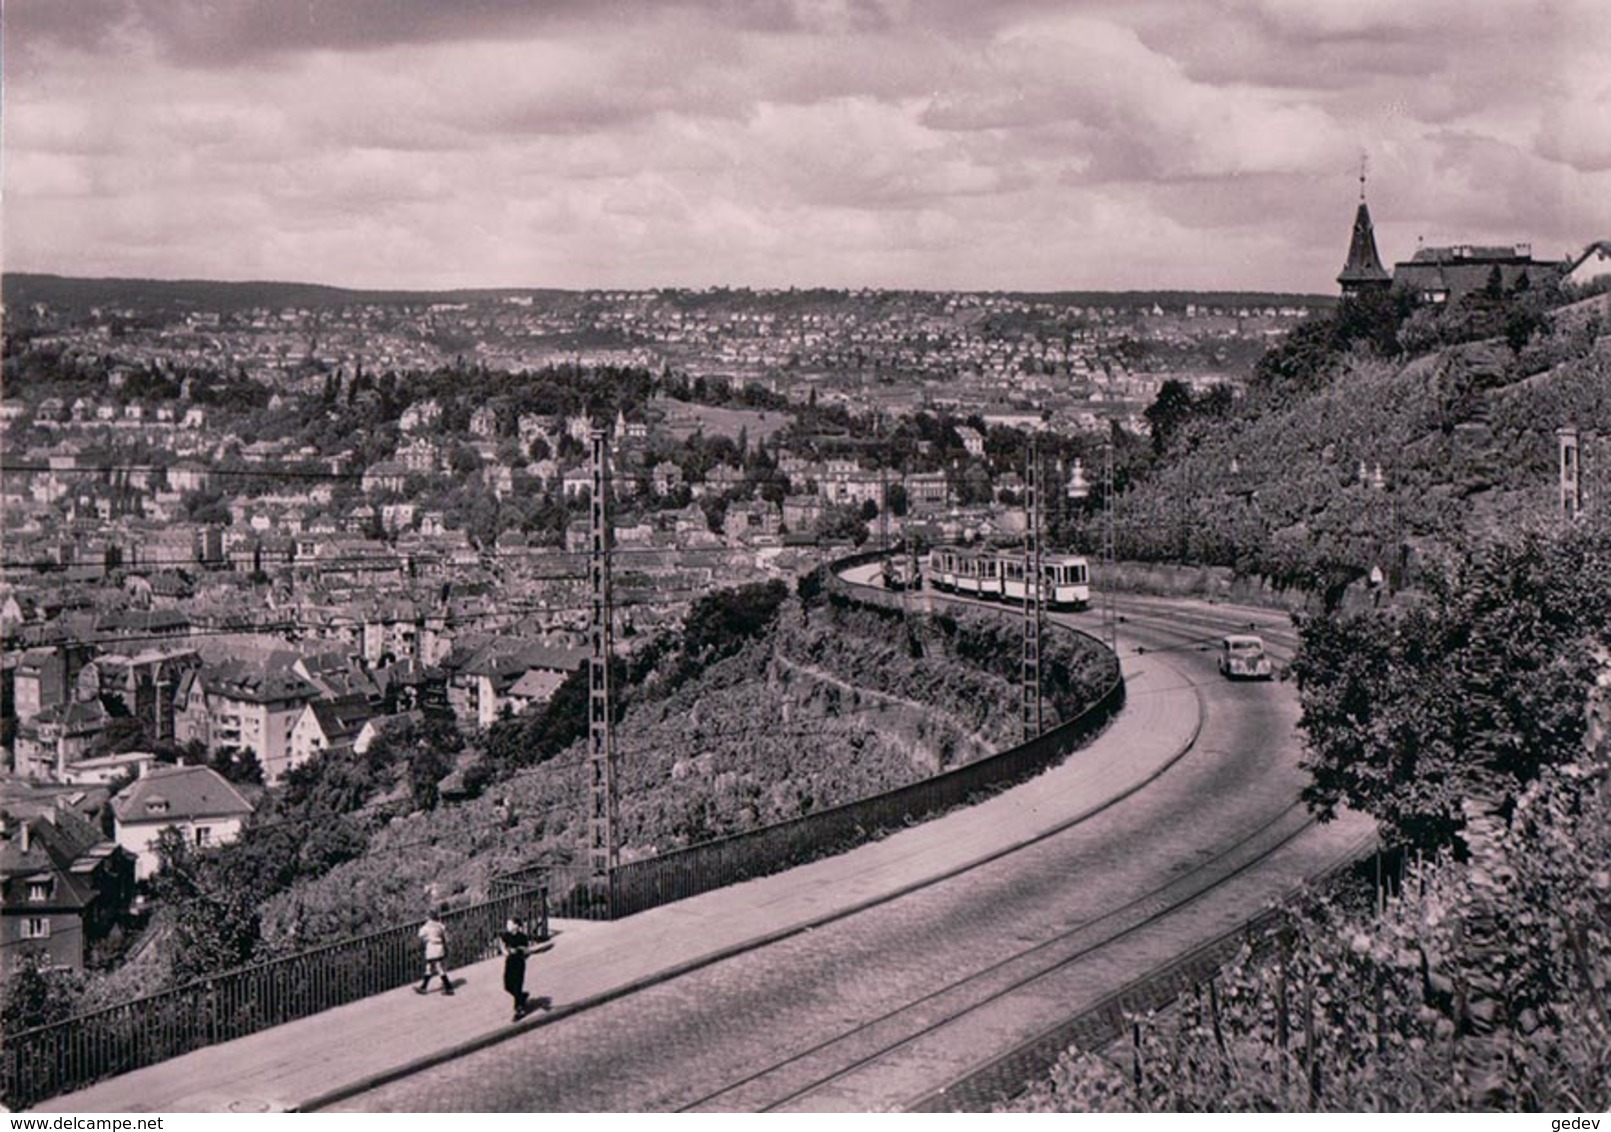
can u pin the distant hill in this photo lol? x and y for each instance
(157, 295)
(1177, 300)
(171, 295)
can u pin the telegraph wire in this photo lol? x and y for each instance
(312, 624)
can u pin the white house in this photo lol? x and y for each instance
(971, 440)
(576, 481)
(244, 705)
(106, 769)
(1588, 267)
(420, 416)
(328, 725)
(196, 800)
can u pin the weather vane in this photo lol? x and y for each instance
(1364, 161)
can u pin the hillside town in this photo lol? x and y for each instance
(972, 349)
(812, 556)
(240, 536)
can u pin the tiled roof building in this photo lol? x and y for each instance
(244, 705)
(329, 725)
(63, 886)
(196, 800)
(1447, 274)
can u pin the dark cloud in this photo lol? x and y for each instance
(80, 25)
(228, 32)
(1224, 51)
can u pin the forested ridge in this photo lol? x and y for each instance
(1387, 437)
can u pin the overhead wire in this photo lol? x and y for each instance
(398, 562)
(307, 623)
(394, 561)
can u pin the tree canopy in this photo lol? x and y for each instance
(1469, 693)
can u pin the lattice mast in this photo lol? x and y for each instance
(1110, 613)
(883, 509)
(912, 576)
(1030, 689)
(604, 851)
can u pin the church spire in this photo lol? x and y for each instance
(1364, 270)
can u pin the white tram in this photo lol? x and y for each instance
(999, 575)
(1068, 580)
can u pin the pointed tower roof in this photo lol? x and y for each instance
(1364, 268)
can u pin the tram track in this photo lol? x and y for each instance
(1026, 970)
(1277, 626)
(1006, 1074)
(1273, 624)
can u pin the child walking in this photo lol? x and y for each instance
(434, 934)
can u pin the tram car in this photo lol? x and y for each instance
(999, 575)
(968, 571)
(1068, 580)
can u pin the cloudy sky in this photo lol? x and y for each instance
(1002, 144)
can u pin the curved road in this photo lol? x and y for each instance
(887, 1005)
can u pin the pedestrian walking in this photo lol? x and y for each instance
(434, 934)
(516, 945)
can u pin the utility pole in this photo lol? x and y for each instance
(1110, 614)
(912, 575)
(883, 506)
(604, 853)
(1030, 692)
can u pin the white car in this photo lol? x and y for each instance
(1242, 657)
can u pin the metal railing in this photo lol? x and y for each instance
(575, 893)
(532, 878)
(640, 885)
(47, 1061)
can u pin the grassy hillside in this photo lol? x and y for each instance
(1479, 980)
(1454, 446)
(1480, 988)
